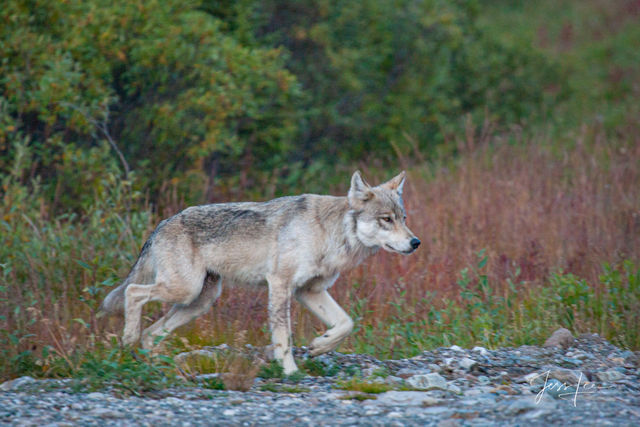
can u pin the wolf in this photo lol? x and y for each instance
(296, 246)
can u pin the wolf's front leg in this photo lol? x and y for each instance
(326, 309)
(280, 322)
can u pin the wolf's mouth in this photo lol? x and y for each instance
(407, 252)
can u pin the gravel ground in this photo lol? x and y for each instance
(589, 383)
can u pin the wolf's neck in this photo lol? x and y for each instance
(351, 250)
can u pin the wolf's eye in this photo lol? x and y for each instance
(386, 219)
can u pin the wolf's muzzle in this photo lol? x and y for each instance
(414, 243)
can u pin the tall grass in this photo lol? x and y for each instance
(535, 212)
(515, 235)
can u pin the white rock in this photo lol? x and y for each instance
(17, 383)
(454, 388)
(405, 398)
(534, 378)
(456, 348)
(428, 382)
(96, 395)
(483, 351)
(434, 367)
(610, 375)
(467, 363)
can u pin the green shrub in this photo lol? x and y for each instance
(377, 72)
(158, 78)
(124, 371)
(363, 386)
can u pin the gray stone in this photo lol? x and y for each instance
(483, 379)
(451, 422)
(393, 380)
(435, 368)
(409, 372)
(518, 407)
(454, 388)
(560, 338)
(428, 382)
(499, 400)
(17, 383)
(107, 413)
(483, 351)
(532, 415)
(556, 389)
(467, 363)
(406, 398)
(566, 376)
(610, 375)
(96, 395)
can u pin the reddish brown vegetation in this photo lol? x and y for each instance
(533, 208)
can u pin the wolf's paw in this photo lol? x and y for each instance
(289, 368)
(151, 342)
(129, 339)
(322, 344)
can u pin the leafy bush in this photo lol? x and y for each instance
(404, 72)
(124, 371)
(158, 79)
(196, 90)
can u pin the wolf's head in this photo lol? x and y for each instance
(379, 215)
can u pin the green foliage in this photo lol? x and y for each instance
(360, 397)
(611, 307)
(125, 371)
(160, 78)
(212, 383)
(593, 42)
(273, 369)
(317, 368)
(183, 89)
(358, 384)
(376, 72)
(49, 259)
(283, 388)
(515, 316)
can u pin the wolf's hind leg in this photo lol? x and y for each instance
(180, 314)
(136, 296)
(174, 288)
(331, 314)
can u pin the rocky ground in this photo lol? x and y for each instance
(589, 382)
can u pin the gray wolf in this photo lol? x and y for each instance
(297, 246)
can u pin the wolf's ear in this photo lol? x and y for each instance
(396, 183)
(360, 191)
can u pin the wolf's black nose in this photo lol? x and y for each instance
(414, 243)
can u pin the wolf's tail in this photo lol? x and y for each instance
(142, 272)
